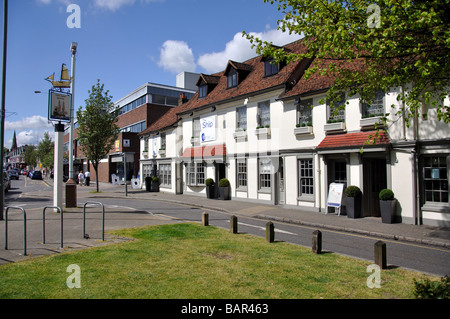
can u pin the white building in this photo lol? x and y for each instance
(263, 127)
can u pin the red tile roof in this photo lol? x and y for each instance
(254, 82)
(357, 139)
(317, 82)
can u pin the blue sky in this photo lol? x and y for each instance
(124, 43)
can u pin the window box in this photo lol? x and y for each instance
(263, 131)
(334, 127)
(370, 122)
(145, 153)
(240, 134)
(303, 130)
(162, 152)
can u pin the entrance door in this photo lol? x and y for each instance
(374, 180)
(220, 173)
(179, 178)
(279, 186)
(337, 173)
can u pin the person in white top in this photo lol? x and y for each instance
(81, 178)
(87, 176)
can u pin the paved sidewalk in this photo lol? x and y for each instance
(370, 226)
(121, 218)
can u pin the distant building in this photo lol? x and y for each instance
(138, 109)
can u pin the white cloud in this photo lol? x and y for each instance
(114, 5)
(176, 57)
(239, 49)
(32, 122)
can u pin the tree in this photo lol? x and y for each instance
(45, 151)
(30, 155)
(400, 43)
(97, 126)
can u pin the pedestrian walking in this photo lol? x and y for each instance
(81, 178)
(87, 176)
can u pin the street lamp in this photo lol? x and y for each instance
(73, 49)
(71, 186)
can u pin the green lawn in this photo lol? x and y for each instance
(191, 261)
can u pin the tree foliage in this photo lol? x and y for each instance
(46, 150)
(401, 43)
(97, 126)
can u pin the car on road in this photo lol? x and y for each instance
(6, 182)
(36, 175)
(13, 174)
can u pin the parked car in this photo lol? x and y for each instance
(36, 175)
(6, 182)
(13, 174)
(24, 172)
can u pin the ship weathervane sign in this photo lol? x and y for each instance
(59, 97)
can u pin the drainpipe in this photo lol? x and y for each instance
(403, 116)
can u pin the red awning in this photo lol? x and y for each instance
(358, 139)
(205, 151)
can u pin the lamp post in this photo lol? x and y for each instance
(73, 49)
(2, 111)
(71, 186)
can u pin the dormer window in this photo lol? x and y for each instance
(202, 91)
(232, 80)
(270, 68)
(206, 83)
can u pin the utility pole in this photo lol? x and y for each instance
(2, 112)
(71, 186)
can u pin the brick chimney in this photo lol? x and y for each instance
(183, 99)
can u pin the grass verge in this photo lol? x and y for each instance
(185, 261)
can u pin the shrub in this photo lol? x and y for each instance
(224, 182)
(427, 289)
(353, 191)
(209, 182)
(155, 179)
(386, 194)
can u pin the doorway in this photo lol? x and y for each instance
(220, 173)
(280, 193)
(374, 180)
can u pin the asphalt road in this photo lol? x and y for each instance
(423, 258)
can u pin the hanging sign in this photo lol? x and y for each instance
(208, 128)
(59, 106)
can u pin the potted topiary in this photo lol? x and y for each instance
(224, 189)
(388, 206)
(155, 184)
(210, 188)
(353, 201)
(148, 183)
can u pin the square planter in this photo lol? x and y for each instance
(225, 193)
(353, 206)
(211, 192)
(388, 208)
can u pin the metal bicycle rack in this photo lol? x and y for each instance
(24, 227)
(43, 223)
(103, 218)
